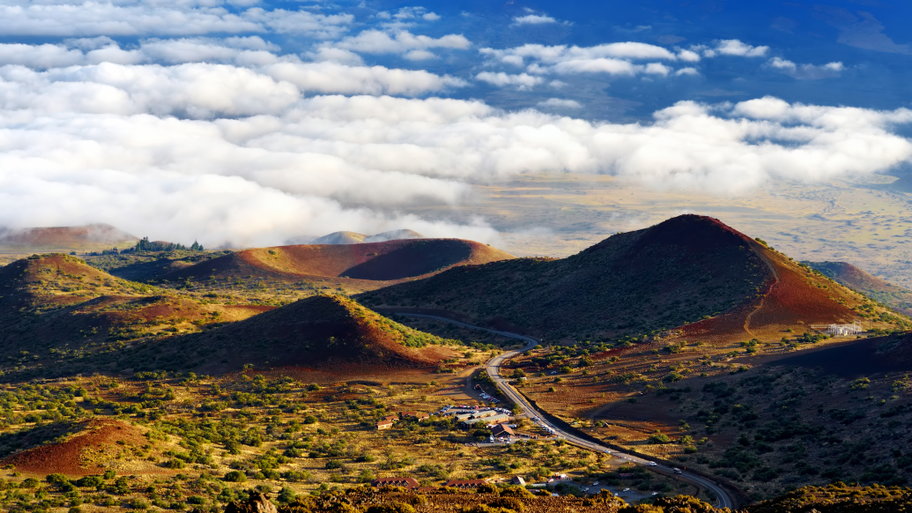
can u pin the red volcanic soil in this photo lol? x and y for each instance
(376, 261)
(791, 297)
(693, 233)
(65, 236)
(128, 310)
(92, 450)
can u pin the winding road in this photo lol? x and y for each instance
(724, 499)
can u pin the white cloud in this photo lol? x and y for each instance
(135, 18)
(338, 55)
(533, 19)
(331, 77)
(688, 56)
(610, 58)
(627, 50)
(736, 48)
(379, 42)
(183, 133)
(420, 55)
(39, 56)
(560, 104)
(102, 143)
(767, 107)
(599, 65)
(300, 23)
(561, 53)
(125, 18)
(656, 68)
(406, 17)
(520, 81)
(806, 71)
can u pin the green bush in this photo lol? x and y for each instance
(235, 476)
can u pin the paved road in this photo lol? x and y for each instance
(723, 498)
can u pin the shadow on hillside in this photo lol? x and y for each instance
(11, 443)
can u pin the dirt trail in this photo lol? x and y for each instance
(766, 294)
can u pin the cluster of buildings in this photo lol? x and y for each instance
(496, 419)
(472, 416)
(411, 483)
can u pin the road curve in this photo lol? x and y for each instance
(723, 498)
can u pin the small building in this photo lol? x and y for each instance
(502, 431)
(465, 483)
(385, 424)
(518, 480)
(417, 415)
(475, 414)
(489, 420)
(406, 482)
(844, 330)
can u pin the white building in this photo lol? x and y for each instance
(844, 330)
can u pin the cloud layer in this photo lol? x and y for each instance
(190, 120)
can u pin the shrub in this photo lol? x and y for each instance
(235, 476)
(659, 438)
(392, 507)
(510, 503)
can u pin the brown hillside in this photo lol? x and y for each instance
(793, 297)
(60, 237)
(666, 276)
(323, 332)
(96, 446)
(356, 266)
(898, 298)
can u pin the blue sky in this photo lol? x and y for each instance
(250, 123)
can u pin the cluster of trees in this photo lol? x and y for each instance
(145, 244)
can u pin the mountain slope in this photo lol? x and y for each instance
(666, 276)
(324, 331)
(90, 447)
(54, 305)
(65, 237)
(894, 296)
(340, 238)
(351, 266)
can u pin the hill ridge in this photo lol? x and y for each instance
(321, 330)
(358, 267)
(691, 272)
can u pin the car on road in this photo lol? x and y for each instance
(676, 470)
(653, 464)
